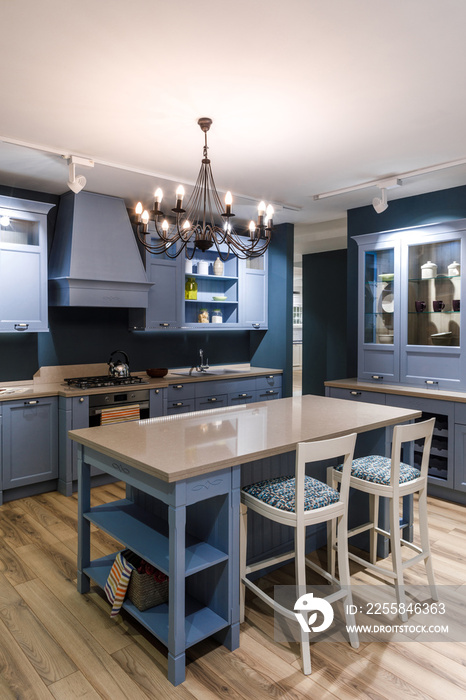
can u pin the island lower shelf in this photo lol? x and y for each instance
(200, 621)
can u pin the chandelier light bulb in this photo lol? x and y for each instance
(138, 209)
(165, 226)
(228, 199)
(186, 225)
(180, 193)
(252, 229)
(269, 215)
(261, 208)
(144, 217)
(158, 195)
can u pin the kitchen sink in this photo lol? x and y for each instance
(12, 390)
(207, 373)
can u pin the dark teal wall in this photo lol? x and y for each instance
(324, 319)
(434, 207)
(88, 335)
(275, 347)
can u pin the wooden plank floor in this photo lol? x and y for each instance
(56, 643)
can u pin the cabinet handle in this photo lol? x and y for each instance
(81, 400)
(31, 403)
(21, 326)
(256, 325)
(212, 399)
(180, 403)
(377, 376)
(164, 325)
(270, 391)
(177, 386)
(355, 393)
(431, 381)
(156, 391)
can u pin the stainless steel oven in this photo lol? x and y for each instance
(122, 399)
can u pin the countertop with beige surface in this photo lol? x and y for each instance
(49, 381)
(354, 384)
(177, 447)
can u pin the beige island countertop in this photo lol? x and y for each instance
(182, 446)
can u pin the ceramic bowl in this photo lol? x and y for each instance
(157, 372)
(386, 338)
(441, 338)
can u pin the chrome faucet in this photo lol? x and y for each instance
(201, 367)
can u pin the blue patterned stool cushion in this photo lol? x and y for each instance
(280, 493)
(377, 469)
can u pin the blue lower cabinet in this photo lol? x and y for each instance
(215, 401)
(29, 452)
(157, 403)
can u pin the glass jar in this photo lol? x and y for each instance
(190, 288)
(203, 316)
(217, 316)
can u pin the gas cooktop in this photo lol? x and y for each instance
(104, 380)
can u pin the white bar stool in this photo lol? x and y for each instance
(299, 501)
(392, 479)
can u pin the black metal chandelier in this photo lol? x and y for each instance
(205, 222)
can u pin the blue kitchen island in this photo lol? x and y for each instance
(183, 476)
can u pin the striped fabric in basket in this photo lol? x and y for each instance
(120, 414)
(117, 583)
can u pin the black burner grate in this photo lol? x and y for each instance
(104, 380)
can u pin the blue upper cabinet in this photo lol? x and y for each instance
(410, 289)
(254, 293)
(164, 310)
(204, 293)
(23, 265)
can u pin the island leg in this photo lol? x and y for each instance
(84, 526)
(176, 595)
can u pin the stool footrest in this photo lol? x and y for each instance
(373, 567)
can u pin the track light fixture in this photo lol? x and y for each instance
(77, 183)
(380, 203)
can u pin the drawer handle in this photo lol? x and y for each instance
(156, 391)
(256, 325)
(31, 403)
(180, 403)
(21, 326)
(431, 381)
(212, 399)
(377, 376)
(355, 393)
(164, 325)
(177, 386)
(270, 391)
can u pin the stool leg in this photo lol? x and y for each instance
(344, 578)
(300, 577)
(425, 544)
(374, 518)
(396, 555)
(331, 531)
(243, 541)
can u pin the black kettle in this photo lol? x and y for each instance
(118, 368)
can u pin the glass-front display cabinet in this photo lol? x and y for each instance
(410, 288)
(378, 311)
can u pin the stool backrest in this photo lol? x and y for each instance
(408, 433)
(323, 450)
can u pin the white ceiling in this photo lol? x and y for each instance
(306, 96)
